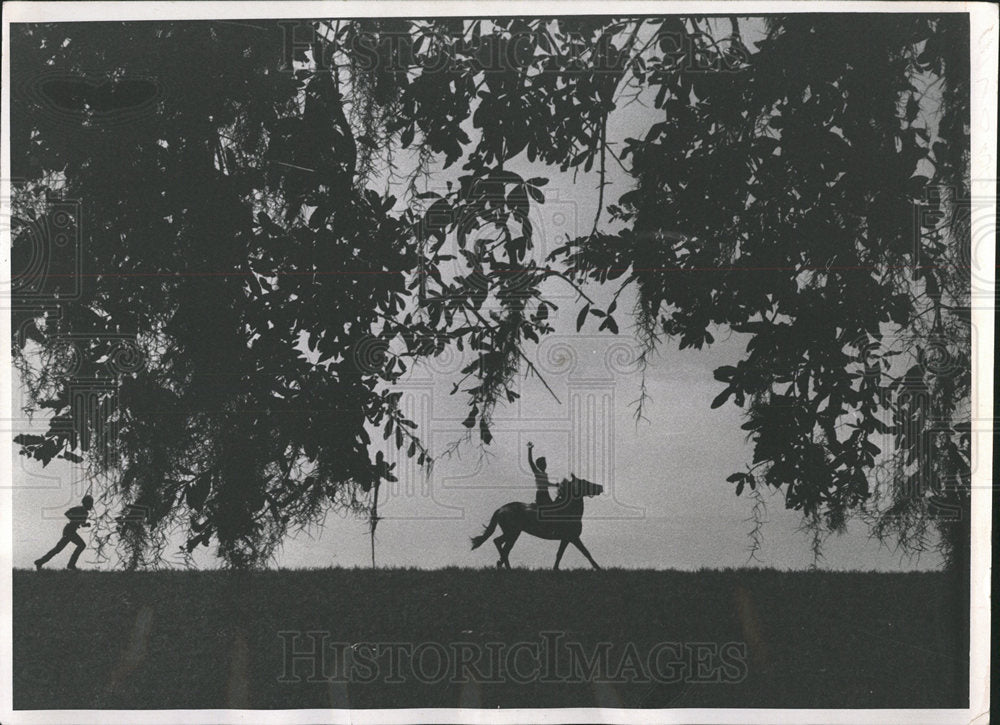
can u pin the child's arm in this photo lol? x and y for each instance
(78, 515)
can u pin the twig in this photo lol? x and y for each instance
(549, 272)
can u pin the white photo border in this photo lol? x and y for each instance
(983, 18)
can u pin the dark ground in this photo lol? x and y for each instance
(180, 639)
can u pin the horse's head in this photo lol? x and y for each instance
(579, 487)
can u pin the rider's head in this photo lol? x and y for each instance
(541, 463)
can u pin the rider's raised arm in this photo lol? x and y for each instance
(531, 460)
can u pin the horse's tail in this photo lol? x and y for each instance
(477, 541)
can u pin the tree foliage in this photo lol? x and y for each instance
(810, 207)
(801, 186)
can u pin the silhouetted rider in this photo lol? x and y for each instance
(538, 467)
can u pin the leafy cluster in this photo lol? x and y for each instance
(797, 199)
(224, 233)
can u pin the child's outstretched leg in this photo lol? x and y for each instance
(39, 563)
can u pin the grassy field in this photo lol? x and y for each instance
(449, 638)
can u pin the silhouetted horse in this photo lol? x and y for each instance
(562, 520)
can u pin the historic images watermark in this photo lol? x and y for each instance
(314, 656)
(390, 48)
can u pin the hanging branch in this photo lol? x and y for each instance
(373, 522)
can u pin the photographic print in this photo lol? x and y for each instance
(444, 362)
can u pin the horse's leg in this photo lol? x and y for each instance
(511, 540)
(499, 542)
(583, 549)
(562, 548)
